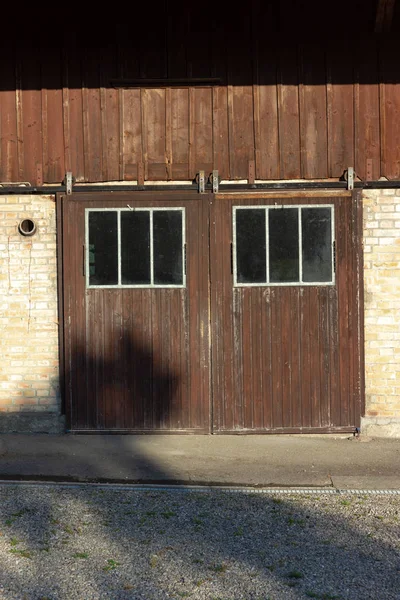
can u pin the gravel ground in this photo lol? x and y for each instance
(89, 543)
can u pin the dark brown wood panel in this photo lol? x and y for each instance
(313, 111)
(92, 117)
(8, 119)
(110, 119)
(288, 110)
(31, 116)
(52, 114)
(201, 124)
(153, 110)
(179, 134)
(286, 358)
(75, 148)
(137, 359)
(266, 113)
(340, 92)
(296, 109)
(390, 112)
(132, 128)
(366, 113)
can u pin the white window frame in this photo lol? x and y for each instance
(120, 285)
(267, 283)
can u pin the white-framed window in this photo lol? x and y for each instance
(283, 245)
(135, 247)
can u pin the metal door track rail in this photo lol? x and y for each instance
(269, 491)
(16, 190)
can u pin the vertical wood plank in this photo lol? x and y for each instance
(201, 130)
(177, 40)
(390, 111)
(288, 115)
(168, 133)
(257, 352)
(199, 43)
(31, 114)
(313, 122)
(295, 364)
(341, 109)
(266, 371)
(246, 366)
(19, 115)
(132, 127)
(220, 131)
(180, 133)
(276, 371)
(8, 118)
(154, 121)
(240, 102)
(177, 352)
(130, 117)
(266, 116)
(342, 255)
(366, 112)
(110, 117)
(314, 357)
(52, 117)
(265, 93)
(144, 320)
(242, 127)
(220, 138)
(73, 105)
(92, 119)
(153, 47)
(324, 365)
(306, 351)
(286, 356)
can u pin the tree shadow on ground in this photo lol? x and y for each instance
(105, 543)
(70, 542)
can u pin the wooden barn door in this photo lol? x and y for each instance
(286, 315)
(136, 316)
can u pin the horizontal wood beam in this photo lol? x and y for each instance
(165, 82)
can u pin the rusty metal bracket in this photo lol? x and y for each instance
(214, 180)
(68, 182)
(350, 178)
(201, 182)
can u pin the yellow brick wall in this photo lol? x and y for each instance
(29, 372)
(382, 305)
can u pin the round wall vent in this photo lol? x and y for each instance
(27, 227)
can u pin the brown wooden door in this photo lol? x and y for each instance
(286, 355)
(136, 317)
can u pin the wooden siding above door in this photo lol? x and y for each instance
(298, 109)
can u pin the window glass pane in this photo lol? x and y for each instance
(317, 244)
(135, 247)
(283, 245)
(167, 247)
(250, 246)
(103, 248)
